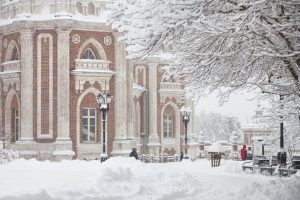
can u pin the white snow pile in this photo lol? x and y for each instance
(7, 156)
(128, 179)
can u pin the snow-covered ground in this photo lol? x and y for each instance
(126, 179)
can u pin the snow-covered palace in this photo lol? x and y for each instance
(55, 58)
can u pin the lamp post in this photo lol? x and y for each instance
(186, 112)
(281, 155)
(103, 100)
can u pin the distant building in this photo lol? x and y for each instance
(250, 132)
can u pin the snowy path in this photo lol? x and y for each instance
(126, 179)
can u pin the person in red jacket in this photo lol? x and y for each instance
(243, 152)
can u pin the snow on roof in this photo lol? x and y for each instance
(87, 11)
(216, 147)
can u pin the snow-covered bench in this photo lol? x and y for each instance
(291, 168)
(258, 162)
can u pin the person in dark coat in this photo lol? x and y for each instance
(134, 154)
(181, 156)
(243, 152)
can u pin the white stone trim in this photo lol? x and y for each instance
(107, 40)
(4, 43)
(153, 99)
(173, 142)
(44, 36)
(26, 86)
(96, 44)
(137, 120)
(136, 71)
(63, 83)
(120, 92)
(76, 38)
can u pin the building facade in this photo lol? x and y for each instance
(55, 58)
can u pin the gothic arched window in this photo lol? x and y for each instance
(79, 7)
(89, 54)
(91, 9)
(14, 55)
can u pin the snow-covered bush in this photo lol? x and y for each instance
(7, 156)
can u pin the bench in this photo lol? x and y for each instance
(258, 163)
(291, 168)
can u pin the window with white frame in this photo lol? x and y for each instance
(168, 126)
(89, 120)
(89, 54)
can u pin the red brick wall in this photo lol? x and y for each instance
(45, 86)
(13, 107)
(74, 95)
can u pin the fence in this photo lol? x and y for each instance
(159, 159)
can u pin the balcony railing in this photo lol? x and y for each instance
(18, 8)
(91, 65)
(170, 86)
(11, 66)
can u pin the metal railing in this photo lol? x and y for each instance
(159, 159)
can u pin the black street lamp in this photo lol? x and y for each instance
(186, 112)
(103, 101)
(281, 156)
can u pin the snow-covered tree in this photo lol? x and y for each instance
(228, 44)
(215, 126)
(232, 44)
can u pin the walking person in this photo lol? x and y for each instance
(243, 152)
(134, 154)
(181, 156)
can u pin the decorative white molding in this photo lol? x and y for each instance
(87, 64)
(138, 90)
(45, 36)
(171, 90)
(76, 38)
(92, 71)
(137, 69)
(96, 44)
(11, 66)
(10, 73)
(107, 40)
(4, 43)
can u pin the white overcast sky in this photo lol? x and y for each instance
(242, 105)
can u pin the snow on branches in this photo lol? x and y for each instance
(218, 43)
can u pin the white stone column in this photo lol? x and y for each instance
(130, 102)
(120, 91)
(153, 144)
(63, 148)
(63, 83)
(26, 86)
(121, 144)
